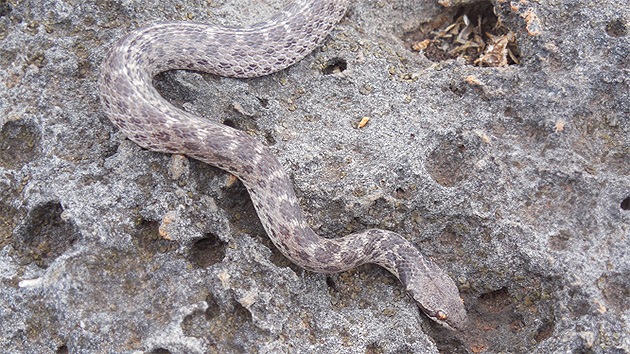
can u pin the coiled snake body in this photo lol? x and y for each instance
(136, 108)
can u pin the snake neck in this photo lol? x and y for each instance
(429, 286)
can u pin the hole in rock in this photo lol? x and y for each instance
(230, 123)
(331, 284)
(5, 8)
(263, 102)
(334, 66)
(207, 251)
(616, 28)
(62, 350)
(46, 235)
(160, 351)
(472, 32)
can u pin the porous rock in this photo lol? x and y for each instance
(514, 179)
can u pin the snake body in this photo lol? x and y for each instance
(137, 109)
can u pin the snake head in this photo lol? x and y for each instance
(437, 296)
(454, 318)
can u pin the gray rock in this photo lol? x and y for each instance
(515, 179)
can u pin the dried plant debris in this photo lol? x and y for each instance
(473, 33)
(498, 52)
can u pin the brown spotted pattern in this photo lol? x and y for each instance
(135, 107)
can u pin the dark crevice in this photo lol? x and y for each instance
(160, 351)
(473, 33)
(330, 282)
(5, 8)
(263, 102)
(207, 251)
(243, 217)
(45, 235)
(335, 65)
(230, 123)
(617, 28)
(63, 349)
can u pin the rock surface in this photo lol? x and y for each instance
(515, 179)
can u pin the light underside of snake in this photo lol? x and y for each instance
(137, 109)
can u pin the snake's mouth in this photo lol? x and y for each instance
(440, 317)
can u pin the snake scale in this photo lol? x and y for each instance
(137, 109)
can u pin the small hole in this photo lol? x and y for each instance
(230, 123)
(207, 251)
(331, 284)
(160, 351)
(263, 102)
(625, 204)
(335, 65)
(4, 9)
(270, 139)
(616, 28)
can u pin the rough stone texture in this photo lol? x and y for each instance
(516, 180)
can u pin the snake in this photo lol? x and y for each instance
(135, 107)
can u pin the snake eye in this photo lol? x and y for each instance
(441, 315)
